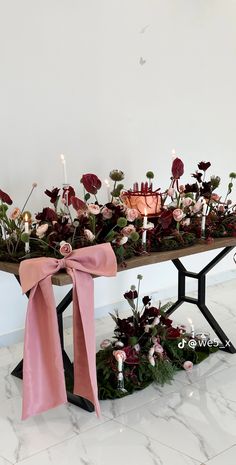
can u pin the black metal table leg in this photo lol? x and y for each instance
(68, 365)
(201, 299)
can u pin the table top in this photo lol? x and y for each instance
(62, 278)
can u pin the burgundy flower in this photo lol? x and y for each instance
(191, 188)
(165, 219)
(68, 193)
(47, 215)
(206, 189)
(177, 168)
(5, 197)
(166, 321)
(91, 183)
(131, 295)
(146, 300)
(132, 357)
(53, 194)
(173, 333)
(197, 176)
(78, 204)
(204, 165)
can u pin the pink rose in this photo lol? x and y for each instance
(132, 214)
(93, 208)
(106, 213)
(65, 248)
(188, 365)
(127, 230)
(178, 214)
(15, 213)
(41, 230)
(187, 201)
(119, 354)
(89, 235)
(105, 344)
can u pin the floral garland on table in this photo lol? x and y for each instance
(146, 348)
(176, 217)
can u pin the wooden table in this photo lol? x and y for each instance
(62, 279)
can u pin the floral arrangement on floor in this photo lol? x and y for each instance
(146, 348)
(179, 216)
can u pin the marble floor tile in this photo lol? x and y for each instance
(114, 408)
(108, 444)
(193, 422)
(4, 461)
(221, 384)
(9, 385)
(19, 439)
(227, 457)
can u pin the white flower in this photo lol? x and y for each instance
(41, 230)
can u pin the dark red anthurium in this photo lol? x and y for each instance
(68, 193)
(91, 183)
(5, 197)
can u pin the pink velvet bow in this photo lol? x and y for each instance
(43, 373)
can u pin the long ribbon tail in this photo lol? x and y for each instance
(43, 374)
(85, 375)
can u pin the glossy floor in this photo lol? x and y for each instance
(190, 422)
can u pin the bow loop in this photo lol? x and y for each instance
(43, 374)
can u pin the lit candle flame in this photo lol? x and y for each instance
(107, 182)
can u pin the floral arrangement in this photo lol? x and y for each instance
(146, 348)
(180, 216)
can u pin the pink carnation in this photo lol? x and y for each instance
(178, 214)
(132, 214)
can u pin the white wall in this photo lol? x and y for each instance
(71, 81)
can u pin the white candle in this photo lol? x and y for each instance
(120, 362)
(173, 154)
(144, 235)
(63, 160)
(204, 211)
(107, 184)
(192, 327)
(26, 219)
(3, 232)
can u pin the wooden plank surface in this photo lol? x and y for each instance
(62, 278)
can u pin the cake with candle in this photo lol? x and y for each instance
(143, 198)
